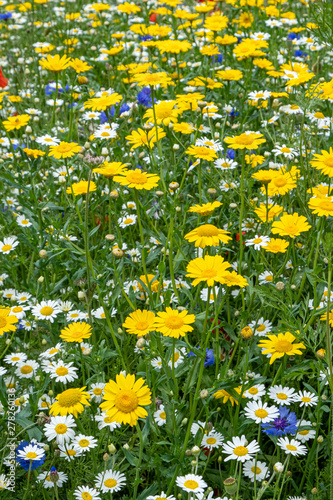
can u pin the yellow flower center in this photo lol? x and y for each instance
(71, 453)
(110, 483)
(128, 221)
(261, 328)
(126, 401)
(211, 441)
(261, 413)
(290, 447)
(240, 451)
(207, 230)
(61, 371)
(208, 273)
(3, 322)
(282, 396)
(44, 404)
(303, 433)
(283, 346)
(46, 311)
(142, 325)
(191, 484)
(64, 148)
(84, 443)
(14, 358)
(328, 162)
(269, 278)
(17, 309)
(137, 178)
(285, 150)
(97, 391)
(175, 357)
(306, 400)
(105, 134)
(253, 391)
(163, 415)
(5, 248)
(31, 455)
(280, 181)
(86, 496)
(255, 470)
(61, 429)
(53, 351)
(244, 140)
(26, 369)
(319, 115)
(69, 398)
(174, 322)
(25, 221)
(257, 240)
(326, 205)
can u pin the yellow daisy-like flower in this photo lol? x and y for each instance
(280, 345)
(81, 187)
(103, 102)
(125, 399)
(173, 323)
(56, 64)
(281, 184)
(324, 162)
(210, 269)
(290, 225)
(6, 321)
(153, 79)
(208, 235)
(64, 150)
(264, 176)
(230, 75)
(80, 66)
(276, 245)
(323, 317)
(70, 402)
(140, 322)
(33, 153)
(137, 179)
(154, 285)
(234, 279)
(16, 122)
(202, 153)
(109, 170)
(251, 140)
(321, 205)
(268, 215)
(144, 138)
(225, 396)
(164, 113)
(205, 209)
(76, 332)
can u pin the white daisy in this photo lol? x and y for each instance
(68, 452)
(23, 221)
(255, 392)
(22, 297)
(265, 278)
(44, 478)
(86, 493)
(204, 294)
(237, 449)
(291, 446)
(282, 395)
(156, 363)
(177, 357)
(26, 369)
(303, 434)
(8, 244)
(306, 398)
(257, 470)
(31, 452)
(63, 372)
(19, 311)
(261, 327)
(191, 483)
(110, 481)
(53, 351)
(61, 429)
(98, 313)
(47, 309)
(160, 416)
(212, 440)
(127, 220)
(44, 402)
(84, 443)
(75, 315)
(96, 392)
(260, 412)
(105, 421)
(14, 359)
(161, 496)
(3, 277)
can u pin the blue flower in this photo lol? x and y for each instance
(50, 88)
(300, 53)
(286, 423)
(294, 36)
(144, 97)
(4, 17)
(217, 59)
(145, 38)
(209, 360)
(231, 153)
(25, 464)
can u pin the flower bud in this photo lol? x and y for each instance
(114, 195)
(320, 439)
(173, 186)
(279, 285)
(112, 449)
(204, 394)
(106, 457)
(81, 295)
(278, 467)
(247, 332)
(140, 343)
(230, 485)
(43, 254)
(195, 451)
(118, 253)
(110, 237)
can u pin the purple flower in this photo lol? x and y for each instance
(285, 423)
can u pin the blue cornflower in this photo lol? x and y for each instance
(144, 97)
(286, 423)
(231, 153)
(145, 38)
(51, 87)
(4, 17)
(217, 59)
(209, 360)
(30, 455)
(300, 53)
(294, 36)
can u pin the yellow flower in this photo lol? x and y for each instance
(76, 332)
(249, 48)
(265, 176)
(267, 216)
(290, 225)
(205, 209)
(56, 64)
(103, 102)
(81, 187)
(33, 153)
(125, 399)
(323, 317)
(173, 323)
(80, 66)
(202, 152)
(153, 79)
(164, 113)
(250, 140)
(324, 162)
(64, 150)
(128, 8)
(70, 402)
(280, 345)
(16, 122)
(145, 138)
(140, 322)
(6, 321)
(173, 46)
(281, 184)
(183, 128)
(216, 22)
(137, 179)
(225, 396)
(322, 205)
(109, 170)
(277, 245)
(230, 75)
(210, 269)
(208, 235)
(234, 279)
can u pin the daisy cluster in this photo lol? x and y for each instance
(166, 249)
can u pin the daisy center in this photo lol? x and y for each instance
(5, 248)
(306, 400)
(303, 433)
(163, 415)
(285, 150)
(53, 351)
(86, 496)
(71, 453)
(17, 309)
(255, 470)
(283, 346)
(61, 371)
(46, 311)
(269, 278)
(84, 443)
(282, 396)
(174, 322)
(257, 240)
(69, 398)
(211, 441)
(31, 455)
(26, 369)
(253, 390)
(280, 182)
(175, 357)
(126, 401)
(61, 429)
(110, 483)
(326, 205)
(261, 413)
(15, 358)
(191, 484)
(142, 325)
(290, 447)
(207, 230)
(128, 221)
(240, 451)
(244, 140)
(261, 328)
(97, 391)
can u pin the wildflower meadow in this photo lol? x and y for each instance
(166, 242)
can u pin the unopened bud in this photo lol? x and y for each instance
(195, 451)
(173, 186)
(118, 253)
(112, 449)
(204, 393)
(279, 285)
(81, 295)
(43, 254)
(106, 457)
(110, 237)
(320, 439)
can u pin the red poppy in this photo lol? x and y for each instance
(238, 237)
(3, 80)
(99, 223)
(153, 18)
